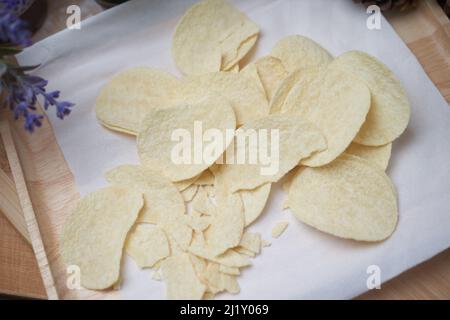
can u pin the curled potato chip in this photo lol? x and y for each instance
(166, 133)
(95, 233)
(300, 52)
(124, 101)
(283, 90)
(247, 100)
(268, 73)
(164, 204)
(211, 36)
(338, 110)
(291, 140)
(378, 155)
(348, 198)
(147, 245)
(181, 280)
(390, 111)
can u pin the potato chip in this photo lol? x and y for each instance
(268, 73)
(184, 184)
(181, 280)
(281, 93)
(227, 225)
(297, 140)
(95, 233)
(125, 100)
(300, 52)
(230, 258)
(158, 151)
(378, 155)
(189, 193)
(279, 228)
(348, 198)
(221, 281)
(233, 56)
(339, 111)
(198, 223)
(390, 111)
(254, 202)
(212, 35)
(202, 204)
(251, 241)
(229, 270)
(164, 205)
(206, 178)
(147, 245)
(247, 100)
(246, 252)
(306, 91)
(265, 243)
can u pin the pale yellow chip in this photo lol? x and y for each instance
(180, 278)
(125, 100)
(297, 140)
(230, 258)
(95, 233)
(198, 223)
(254, 202)
(378, 155)
(202, 204)
(184, 184)
(349, 198)
(247, 100)
(234, 69)
(220, 281)
(227, 225)
(265, 243)
(268, 73)
(339, 111)
(212, 35)
(279, 228)
(300, 52)
(229, 270)
(306, 91)
(179, 160)
(390, 110)
(206, 178)
(147, 245)
(164, 204)
(280, 95)
(246, 252)
(251, 241)
(189, 193)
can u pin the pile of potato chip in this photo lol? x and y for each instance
(336, 117)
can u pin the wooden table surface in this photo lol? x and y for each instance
(426, 31)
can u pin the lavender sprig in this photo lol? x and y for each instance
(23, 89)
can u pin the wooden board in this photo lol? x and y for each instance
(425, 31)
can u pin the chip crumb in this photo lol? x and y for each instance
(156, 276)
(279, 228)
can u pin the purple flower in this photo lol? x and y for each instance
(13, 30)
(22, 89)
